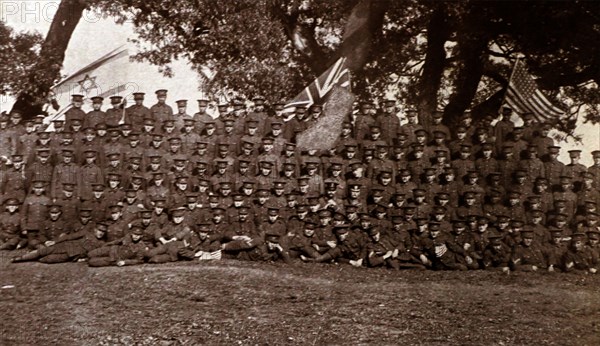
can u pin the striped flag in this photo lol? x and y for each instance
(318, 91)
(523, 95)
(95, 79)
(103, 60)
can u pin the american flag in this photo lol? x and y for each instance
(523, 95)
(320, 88)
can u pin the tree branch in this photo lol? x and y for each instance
(302, 36)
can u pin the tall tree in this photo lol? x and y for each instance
(46, 71)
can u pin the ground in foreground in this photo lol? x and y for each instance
(232, 302)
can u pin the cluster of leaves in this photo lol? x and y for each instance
(238, 40)
(19, 54)
(276, 47)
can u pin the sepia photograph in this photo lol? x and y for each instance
(299, 172)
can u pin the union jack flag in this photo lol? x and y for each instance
(320, 88)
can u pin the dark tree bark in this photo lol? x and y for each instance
(302, 36)
(472, 57)
(438, 32)
(52, 56)
(362, 27)
(472, 43)
(364, 22)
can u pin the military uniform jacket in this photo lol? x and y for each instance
(10, 224)
(582, 260)
(135, 116)
(161, 112)
(531, 255)
(493, 258)
(353, 247)
(52, 229)
(73, 113)
(34, 212)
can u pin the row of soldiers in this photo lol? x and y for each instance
(184, 187)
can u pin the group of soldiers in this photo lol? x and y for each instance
(132, 185)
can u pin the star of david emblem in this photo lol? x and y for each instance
(87, 83)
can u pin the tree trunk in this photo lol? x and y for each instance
(471, 57)
(438, 32)
(364, 23)
(52, 55)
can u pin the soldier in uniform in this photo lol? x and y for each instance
(75, 111)
(161, 111)
(72, 247)
(595, 168)
(578, 257)
(96, 115)
(553, 168)
(65, 172)
(136, 113)
(528, 256)
(351, 247)
(13, 180)
(115, 114)
(10, 225)
(574, 169)
(497, 254)
(129, 250)
(201, 117)
(170, 238)
(181, 114)
(412, 126)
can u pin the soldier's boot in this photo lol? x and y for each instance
(55, 258)
(100, 262)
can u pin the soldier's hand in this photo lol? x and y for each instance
(467, 246)
(120, 263)
(198, 254)
(593, 270)
(49, 243)
(357, 263)
(551, 268)
(387, 255)
(505, 270)
(424, 259)
(24, 232)
(395, 253)
(469, 259)
(534, 268)
(332, 244)
(315, 246)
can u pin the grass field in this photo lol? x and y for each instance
(243, 303)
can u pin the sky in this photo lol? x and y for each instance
(95, 36)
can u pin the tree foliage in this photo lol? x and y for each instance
(430, 54)
(19, 53)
